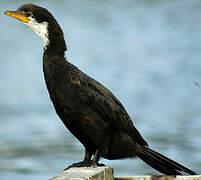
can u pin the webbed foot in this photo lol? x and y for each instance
(85, 164)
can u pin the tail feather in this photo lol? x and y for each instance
(162, 163)
(159, 165)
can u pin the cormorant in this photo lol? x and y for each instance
(88, 109)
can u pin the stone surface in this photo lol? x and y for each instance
(86, 173)
(106, 173)
(196, 177)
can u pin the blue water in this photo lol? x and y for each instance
(148, 53)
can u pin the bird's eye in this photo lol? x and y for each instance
(28, 14)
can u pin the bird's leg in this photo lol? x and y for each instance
(87, 157)
(85, 163)
(96, 158)
(101, 149)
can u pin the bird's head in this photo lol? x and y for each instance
(40, 21)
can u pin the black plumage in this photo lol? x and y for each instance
(88, 109)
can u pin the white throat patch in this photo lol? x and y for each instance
(41, 29)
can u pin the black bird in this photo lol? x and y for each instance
(88, 109)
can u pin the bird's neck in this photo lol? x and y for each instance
(54, 50)
(52, 36)
(56, 44)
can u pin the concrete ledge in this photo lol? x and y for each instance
(86, 173)
(106, 173)
(196, 177)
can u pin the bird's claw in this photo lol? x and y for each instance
(85, 164)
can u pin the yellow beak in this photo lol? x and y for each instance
(17, 15)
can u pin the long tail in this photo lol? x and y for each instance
(162, 163)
